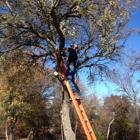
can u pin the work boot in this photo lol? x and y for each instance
(76, 95)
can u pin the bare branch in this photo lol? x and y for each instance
(9, 6)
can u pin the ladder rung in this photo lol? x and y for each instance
(75, 99)
(89, 131)
(84, 120)
(80, 109)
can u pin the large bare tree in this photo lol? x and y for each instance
(45, 26)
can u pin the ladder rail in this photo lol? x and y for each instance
(88, 123)
(82, 115)
(79, 112)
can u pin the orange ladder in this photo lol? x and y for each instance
(78, 105)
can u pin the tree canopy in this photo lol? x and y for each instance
(46, 26)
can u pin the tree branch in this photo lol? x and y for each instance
(9, 6)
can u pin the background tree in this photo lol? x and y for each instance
(121, 128)
(114, 118)
(127, 83)
(25, 93)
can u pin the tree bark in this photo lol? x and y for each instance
(6, 132)
(12, 124)
(11, 136)
(65, 118)
(35, 134)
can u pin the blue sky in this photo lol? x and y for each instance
(103, 89)
(134, 39)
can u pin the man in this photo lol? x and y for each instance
(71, 63)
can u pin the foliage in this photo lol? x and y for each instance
(48, 26)
(121, 127)
(25, 92)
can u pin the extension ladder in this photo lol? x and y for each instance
(78, 105)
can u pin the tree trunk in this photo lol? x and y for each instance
(65, 118)
(12, 125)
(11, 136)
(6, 132)
(110, 126)
(35, 134)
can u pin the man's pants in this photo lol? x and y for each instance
(70, 77)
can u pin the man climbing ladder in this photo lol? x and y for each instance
(69, 73)
(71, 63)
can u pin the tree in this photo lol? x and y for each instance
(115, 113)
(127, 83)
(24, 93)
(46, 26)
(123, 120)
(133, 61)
